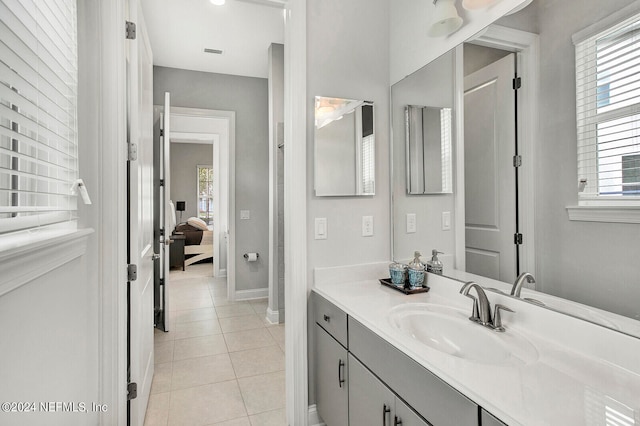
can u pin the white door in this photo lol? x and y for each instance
(490, 188)
(167, 224)
(140, 232)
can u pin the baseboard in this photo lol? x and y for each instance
(314, 418)
(223, 273)
(256, 293)
(273, 316)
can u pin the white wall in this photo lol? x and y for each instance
(345, 60)
(592, 263)
(348, 57)
(50, 326)
(419, 89)
(411, 48)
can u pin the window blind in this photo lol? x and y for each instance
(608, 111)
(38, 110)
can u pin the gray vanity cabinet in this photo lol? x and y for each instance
(371, 403)
(332, 369)
(486, 419)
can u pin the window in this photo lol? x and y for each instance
(205, 193)
(608, 119)
(38, 103)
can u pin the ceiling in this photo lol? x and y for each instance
(180, 30)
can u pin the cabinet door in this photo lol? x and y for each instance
(371, 403)
(331, 380)
(405, 416)
(486, 419)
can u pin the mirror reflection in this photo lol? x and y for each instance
(344, 159)
(428, 152)
(525, 199)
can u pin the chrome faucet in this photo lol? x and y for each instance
(517, 285)
(482, 308)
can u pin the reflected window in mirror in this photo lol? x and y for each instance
(344, 157)
(607, 100)
(428, 141)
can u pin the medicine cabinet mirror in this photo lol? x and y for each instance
(344, 157)
(428, 149)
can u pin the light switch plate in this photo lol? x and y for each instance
(411, 223)
(446, 221)
(367, 226)
(245, 214)
(321, 228)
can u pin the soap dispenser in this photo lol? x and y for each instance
(435, 265)
(416, 271)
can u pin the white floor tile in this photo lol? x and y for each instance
(200, 371)
(204, 405)
(265, 392)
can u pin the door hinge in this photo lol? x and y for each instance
(161, 132)
(517, 160)
(132, 154)
(130, 30)
(162, 232)
(132, 272)
(161, 182)
(517, 83)
(132, 391)
(517, 239)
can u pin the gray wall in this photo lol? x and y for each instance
(351, 60)
(248, 97)
(276, 129)
(185, 159)
(418, 89)
(592, 263)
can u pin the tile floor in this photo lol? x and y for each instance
(221, 363)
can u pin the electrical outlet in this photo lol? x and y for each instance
(446, 221)
(321, 228)
(367, 226)
(411, 223)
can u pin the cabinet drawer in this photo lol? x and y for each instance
(428, 395)
(330, 317)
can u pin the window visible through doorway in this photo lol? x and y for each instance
(205, 193)
(608, 123)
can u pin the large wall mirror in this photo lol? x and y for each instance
(515, 169)
(344, 157)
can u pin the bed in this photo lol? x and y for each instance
(198, 243)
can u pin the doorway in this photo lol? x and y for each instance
(521, 49)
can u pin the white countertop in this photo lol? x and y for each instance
(584, 374)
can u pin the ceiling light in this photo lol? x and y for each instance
(477, 4)
(217, 2)
(445, 19)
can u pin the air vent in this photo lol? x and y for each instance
(214, 51)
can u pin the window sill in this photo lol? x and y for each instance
(22, 263)
(609, 214)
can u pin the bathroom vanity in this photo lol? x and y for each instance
(384, 358)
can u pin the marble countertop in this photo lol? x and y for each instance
(583, 374)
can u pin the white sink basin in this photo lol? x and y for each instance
(449, 330)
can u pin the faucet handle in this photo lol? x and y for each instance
(497, 318)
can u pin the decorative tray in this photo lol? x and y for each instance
(406, 290)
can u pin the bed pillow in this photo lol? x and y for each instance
(197, 223)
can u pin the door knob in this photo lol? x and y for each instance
(155, 256)
(168, 241)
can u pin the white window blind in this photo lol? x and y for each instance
(608, 112)
(38, 110)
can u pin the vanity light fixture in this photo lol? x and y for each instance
(445, 19)
(217, 2)
(477, 4)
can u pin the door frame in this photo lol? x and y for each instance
(526, 47)
(223, 143)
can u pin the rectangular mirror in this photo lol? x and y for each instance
(344, 158)
(428, 137)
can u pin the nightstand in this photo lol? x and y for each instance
(176, 251)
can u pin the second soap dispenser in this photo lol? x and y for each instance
(435, 265)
